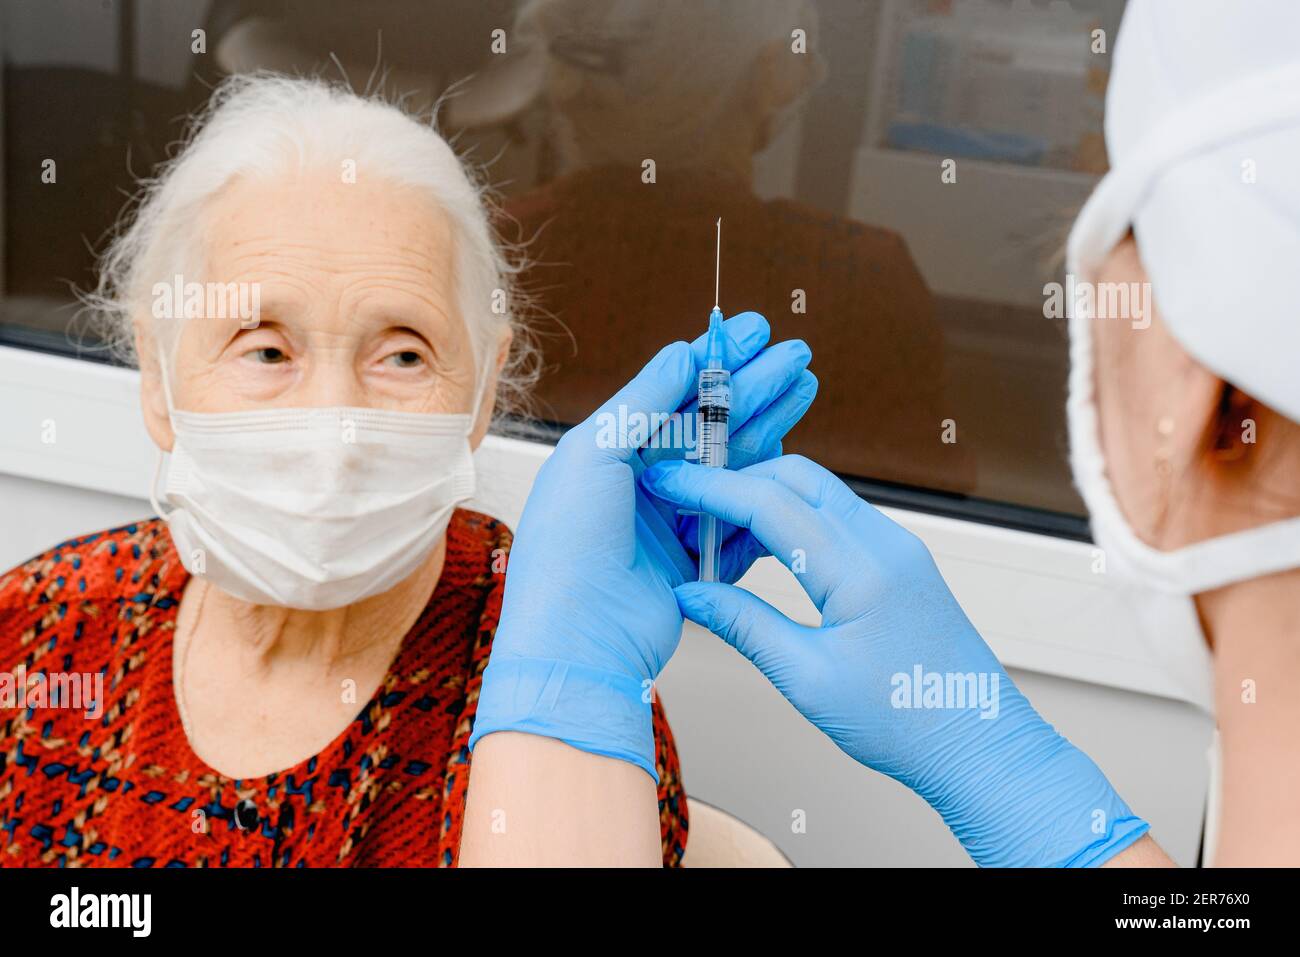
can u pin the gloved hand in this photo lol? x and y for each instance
(589, 619)
(896, 675)
(771, 389)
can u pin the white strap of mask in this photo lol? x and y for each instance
(480, 390)
(153, 487)
(158, 461)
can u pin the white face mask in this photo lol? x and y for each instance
(1167, 621)
(313, 508)
(1190, 570)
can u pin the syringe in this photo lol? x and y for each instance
(714, 423)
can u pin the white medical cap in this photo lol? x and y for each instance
(1203, 134)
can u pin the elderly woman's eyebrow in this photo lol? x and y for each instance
(416, 313)
(233, 333)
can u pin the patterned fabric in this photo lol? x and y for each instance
(123, 789)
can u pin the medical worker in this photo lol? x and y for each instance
(1184, 416)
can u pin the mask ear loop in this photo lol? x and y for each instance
(480, 392)
(153, 489)
(158, 459)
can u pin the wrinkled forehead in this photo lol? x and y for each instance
(317, 236)
(326, 254)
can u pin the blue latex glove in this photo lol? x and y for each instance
(589, 618)
(1013, 790)
(771, 389)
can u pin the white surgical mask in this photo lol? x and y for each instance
(1190, 570)
(1158, 586)
(313, 508)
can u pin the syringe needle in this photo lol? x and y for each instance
(717, 264)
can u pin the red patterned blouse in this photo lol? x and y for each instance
(95, 769)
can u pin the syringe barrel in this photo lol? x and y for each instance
(714, 416)
(714, 426)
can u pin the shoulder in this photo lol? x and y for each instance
(460, 622)
(467, 599)
(478, 548)
(478, 535)
(87, 579)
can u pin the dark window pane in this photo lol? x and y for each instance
(615, 135)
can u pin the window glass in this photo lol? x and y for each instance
(895, 180)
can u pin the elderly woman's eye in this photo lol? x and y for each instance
(407, 359)
(270, 355)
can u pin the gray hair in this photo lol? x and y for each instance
(264, 123)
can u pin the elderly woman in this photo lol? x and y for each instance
(292, 654)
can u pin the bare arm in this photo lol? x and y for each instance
(1144, 852)
(535, 801)
(1257, 664)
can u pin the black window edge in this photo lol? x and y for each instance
(55, 343)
